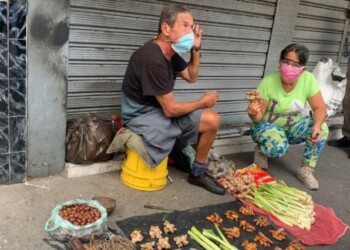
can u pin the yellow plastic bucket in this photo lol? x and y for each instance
(136, 174)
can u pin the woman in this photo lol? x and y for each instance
(278, 120)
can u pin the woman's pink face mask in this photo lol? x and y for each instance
(290, 73)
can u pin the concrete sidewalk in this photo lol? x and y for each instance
(26, 208)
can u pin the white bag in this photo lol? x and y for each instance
(332, 83)
(62, 229)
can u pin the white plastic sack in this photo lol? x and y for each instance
(332, 84)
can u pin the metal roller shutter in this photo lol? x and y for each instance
(320, 25)
(104, 33)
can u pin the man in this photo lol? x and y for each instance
(344, 142)
(148, 104)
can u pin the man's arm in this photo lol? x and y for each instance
(190, 73)
(171, 108)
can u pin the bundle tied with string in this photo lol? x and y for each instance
(114, 242)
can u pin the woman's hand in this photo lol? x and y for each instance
(257, 109)
(319, 115)
(316, 135)
(254, 108)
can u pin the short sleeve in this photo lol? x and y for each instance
(155, 80)
(178, 63)
(263, 89)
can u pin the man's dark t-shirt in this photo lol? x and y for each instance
(150, 74)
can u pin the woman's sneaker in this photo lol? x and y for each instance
(260, 159)
(307, 178)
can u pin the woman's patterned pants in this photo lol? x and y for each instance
(273, 141)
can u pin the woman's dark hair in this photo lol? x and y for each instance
(169, 15)
(301, 50)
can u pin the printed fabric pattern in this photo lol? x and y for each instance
(274, 141)
(285, 109)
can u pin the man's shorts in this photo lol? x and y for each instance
(160, 132)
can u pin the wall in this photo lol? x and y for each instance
(13, 121)
(47, 85)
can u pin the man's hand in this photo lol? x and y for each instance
(197, 30)
(171, 108)
(209, 99)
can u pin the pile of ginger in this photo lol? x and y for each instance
(156, 233)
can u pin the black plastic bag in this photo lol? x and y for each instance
(88, 138)
(181, 161)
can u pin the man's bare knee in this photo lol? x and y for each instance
(210, 120)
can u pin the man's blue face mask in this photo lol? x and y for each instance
(184, 44)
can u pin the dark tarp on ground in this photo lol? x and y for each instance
(184, 220)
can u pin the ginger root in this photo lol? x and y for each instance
(261, 221)
(263, 240)
(253, 96)
(232, 233)
(295, 245)
(169, 228)
(278, 234)
(155, 232)
(163, 243)
(249, 245)
(246, 210)
(148, 245)
(136, 236)
(215, 218)
(246, 226)
(181, 240)
(232, 215)
(240, 184)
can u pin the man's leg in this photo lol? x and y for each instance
(208, 126)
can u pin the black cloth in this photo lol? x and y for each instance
(180, 160)
(184, 220)
(150, 74)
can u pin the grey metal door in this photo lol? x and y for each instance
(323, 27)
